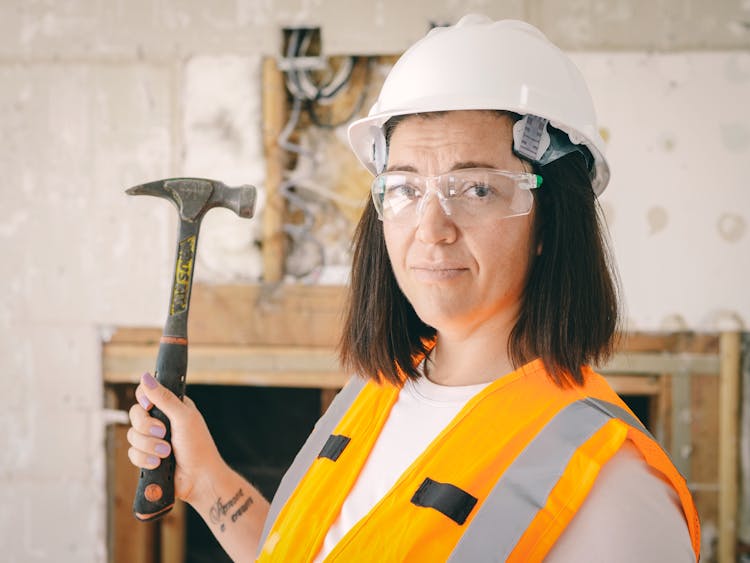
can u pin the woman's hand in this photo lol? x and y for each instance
(195, 452)
(201, 477)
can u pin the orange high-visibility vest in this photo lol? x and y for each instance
(500, 483)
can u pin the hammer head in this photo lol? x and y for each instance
(195, 196)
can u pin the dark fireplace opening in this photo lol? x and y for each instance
(258, 431)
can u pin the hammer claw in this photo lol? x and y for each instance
(151, 188)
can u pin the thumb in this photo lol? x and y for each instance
(160, 396)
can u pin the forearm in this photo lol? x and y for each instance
(233, 509)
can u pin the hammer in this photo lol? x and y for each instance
(193, 197)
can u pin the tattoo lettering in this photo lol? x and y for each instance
(242, 509)
(220, 509)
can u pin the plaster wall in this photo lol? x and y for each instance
(98, 96)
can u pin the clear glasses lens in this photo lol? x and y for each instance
(465, 195)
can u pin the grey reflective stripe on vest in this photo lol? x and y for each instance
(618, 412)
(310, 451)
(523, 489)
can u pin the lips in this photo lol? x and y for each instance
(437, 271)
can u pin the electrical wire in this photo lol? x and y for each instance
(307, 93)
(291, 124)
(310, 106)
(299, 78)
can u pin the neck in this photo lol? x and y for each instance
(479, 356)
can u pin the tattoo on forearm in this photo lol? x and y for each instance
(220, 509)
(242, 509)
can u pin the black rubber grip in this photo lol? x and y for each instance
(154, 495)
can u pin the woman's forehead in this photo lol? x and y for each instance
(457, 136)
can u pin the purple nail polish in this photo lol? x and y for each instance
(149, 381)
(152, 461)
(157, 431)
(161, 449)
(145, 403)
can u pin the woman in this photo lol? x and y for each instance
(480, 293)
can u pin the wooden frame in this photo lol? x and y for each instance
(286, 337)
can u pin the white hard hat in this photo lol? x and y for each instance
(479, 64)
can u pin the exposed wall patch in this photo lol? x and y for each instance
(668, 143)
(657, 219)
(731, 227)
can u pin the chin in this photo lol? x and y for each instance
(441, 317)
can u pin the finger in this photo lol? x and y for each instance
(148, 444)
(145, 424)
(140, 396)
(160, 396)
(189, 402)
(142, 459)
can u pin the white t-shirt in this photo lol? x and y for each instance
(629, 515)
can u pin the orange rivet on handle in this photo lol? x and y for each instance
(153, 492)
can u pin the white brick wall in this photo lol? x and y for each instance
(77, 254)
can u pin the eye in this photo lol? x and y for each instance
(479, 191)
(402, 191)
(476, 191)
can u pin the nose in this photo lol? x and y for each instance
(434, 225)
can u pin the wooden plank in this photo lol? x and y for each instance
(704, 420)
(134, 335)
(308, 366)
(312, 315)
(130, 541)
(680, 415)
(634, 384)
(290, 315)
(280, 366)
(661, 362)
(173, 527)
(285, 366)
(274, 118)
(669, 342)
(729, 387)
(661, 429)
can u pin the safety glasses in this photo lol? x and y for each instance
(466, 196)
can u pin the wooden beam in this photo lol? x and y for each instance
(306, 366)
(634, 384)
(660, 363)
(279, 366)
(173, 528)
(290, 315)
(130, 541)
(274, 118)
(729, 392)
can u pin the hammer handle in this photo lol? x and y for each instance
(154, 496)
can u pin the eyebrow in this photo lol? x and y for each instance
(457, 166)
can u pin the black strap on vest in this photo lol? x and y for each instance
(455, 503)
(334, 446)
(309, 451)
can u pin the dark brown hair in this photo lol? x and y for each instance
(569, 310)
